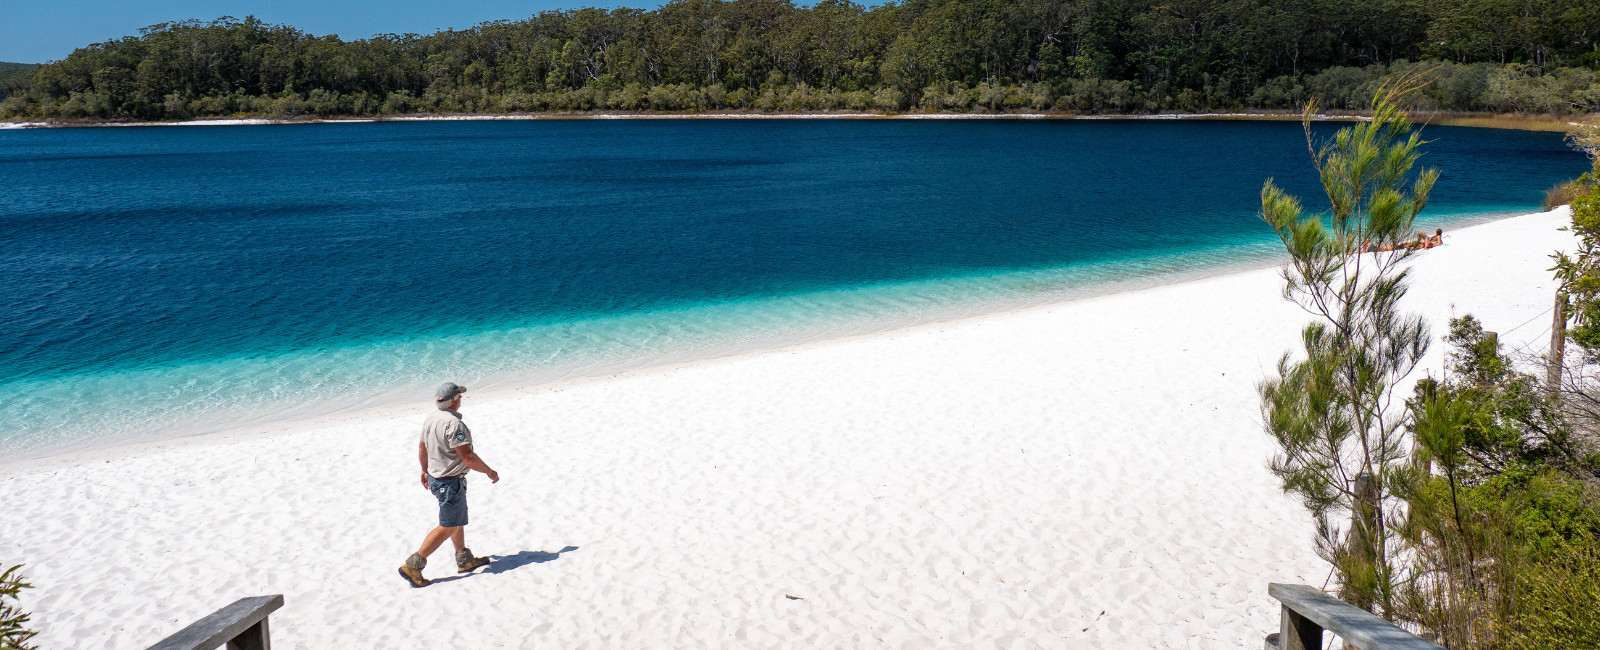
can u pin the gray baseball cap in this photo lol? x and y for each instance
(448, 391)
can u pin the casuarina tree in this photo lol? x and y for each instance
(1333, 408)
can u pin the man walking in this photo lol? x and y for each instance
(445, 453)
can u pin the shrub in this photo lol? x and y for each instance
(990, 95)
(630, 98)
(1098, 96)
(289, 105)
(399, 101)
(1556, 600)
(1499, 524)
(14, 633)
(1280, 92)
(715, 94)
(1506, 564)
(857, 100)
(888, 99)
(768, 101)
(802, 98)
(934, 98)
(1563, 194)
(1586, 137)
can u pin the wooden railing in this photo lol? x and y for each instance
(1307, 611)
(242, 625)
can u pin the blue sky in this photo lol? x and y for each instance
(35, 32)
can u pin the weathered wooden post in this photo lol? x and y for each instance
(1364, 516)
(1558, 343)
(1297, 632)
(1367, 493)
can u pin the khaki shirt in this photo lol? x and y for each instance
(442, 432)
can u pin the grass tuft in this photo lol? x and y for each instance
(1563, 193)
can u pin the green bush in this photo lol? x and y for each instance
(1499, 523)
(14, 633)
(1558, 599)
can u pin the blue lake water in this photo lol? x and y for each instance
(172, 281)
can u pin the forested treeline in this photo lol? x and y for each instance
(13, 74)
(1080, 55)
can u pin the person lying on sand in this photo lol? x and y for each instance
(1422, 242)
(446, 454)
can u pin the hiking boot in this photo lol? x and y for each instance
(412, 571)
(414, 577)
(465, 563)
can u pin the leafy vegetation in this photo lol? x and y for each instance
(1586, 138)
(1473, 512)
(1580, 273)
(1537, 56)
(13, 74)
(14, 634)
(1331, 413)
(1501, 528)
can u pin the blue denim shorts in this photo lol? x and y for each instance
(452, 495)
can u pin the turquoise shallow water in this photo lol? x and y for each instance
(184, 280)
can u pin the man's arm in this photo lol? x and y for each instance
(422, 457)
(474, 462)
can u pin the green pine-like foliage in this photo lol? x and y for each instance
(1332, 409)
(14, 634)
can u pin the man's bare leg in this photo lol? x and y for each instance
(436, 538)
(465, 562)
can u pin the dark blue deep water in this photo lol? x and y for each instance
(164, 281)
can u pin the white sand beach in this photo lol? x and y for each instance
(1081, 475)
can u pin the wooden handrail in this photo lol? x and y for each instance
(242, 625)
(1307, 611)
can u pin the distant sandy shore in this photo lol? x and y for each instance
(1451, 119)
(1087, 474)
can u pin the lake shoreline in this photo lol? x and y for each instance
(1438, 118)
(1088, 474)
(291, 415)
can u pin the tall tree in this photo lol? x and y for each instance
(1334, 412)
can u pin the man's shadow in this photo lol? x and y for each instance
(504, 563)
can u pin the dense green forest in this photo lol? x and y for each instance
(1109, 56)
(13, 74)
